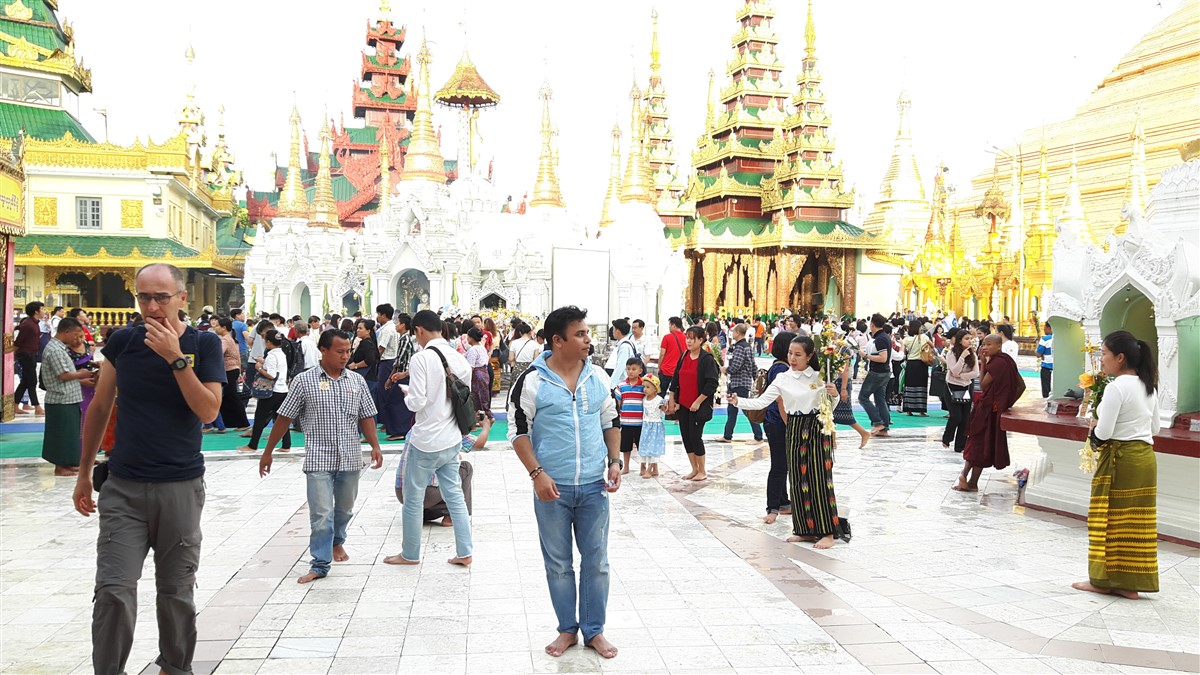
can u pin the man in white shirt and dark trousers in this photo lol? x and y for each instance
(434, 441)
(387, 339)
(334, 405)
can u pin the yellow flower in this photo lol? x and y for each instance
(1086, 380)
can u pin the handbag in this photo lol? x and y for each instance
(460, 398)
(928, 354)
(262, 387)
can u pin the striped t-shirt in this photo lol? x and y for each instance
(632, 396)
(1044, 350)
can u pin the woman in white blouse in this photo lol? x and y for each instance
(962, 367)
(273, 368)
(809, 452)
(1122, 516)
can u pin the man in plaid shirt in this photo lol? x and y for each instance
(333, 405)
(741, 371)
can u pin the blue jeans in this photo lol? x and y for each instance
(421, 466)
(331, 496)
(583, 509)
(731, 413)
(875, 389)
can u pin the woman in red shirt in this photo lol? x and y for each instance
(691, 398)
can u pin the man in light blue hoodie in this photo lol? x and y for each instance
(564, 427)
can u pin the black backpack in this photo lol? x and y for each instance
(295, 361)
(460, 398)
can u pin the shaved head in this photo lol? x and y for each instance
(993, 339)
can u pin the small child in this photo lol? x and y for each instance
(631, 395)
(653, 442)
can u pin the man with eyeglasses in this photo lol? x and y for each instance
(152, 487)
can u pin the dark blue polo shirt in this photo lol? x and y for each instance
(158, 435)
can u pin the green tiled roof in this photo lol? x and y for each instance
(742, 177)
(363, 136)
(738, 227)
(47, 37)
(87, 246)
(827, 227)
(42, 123)
(385, 99)
(343, 189)
(230, 239)
(396, 66)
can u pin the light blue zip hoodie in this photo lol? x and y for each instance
(565, 427)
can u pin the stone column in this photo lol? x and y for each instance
(1168, 370)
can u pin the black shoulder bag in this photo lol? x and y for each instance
(460, 398)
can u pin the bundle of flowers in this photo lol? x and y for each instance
(1092, 382)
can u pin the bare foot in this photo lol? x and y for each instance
(865, 437)
(700, 477)
(39, 410)
(825, 542)
(785, 510)
(798, 537)
(653, 469)
(309, 578)
(945, 446)
(1087, 586)
(562, 643)
(64, 471)
(647, 474)
(883, 433)
(690, 476)
(339, 554)
(624, 471)
(602, 646)
(447, 522)
(400, 560)
(1128, 595)
(465, 561)
(964, 486)
(770, 518)
(246, 448)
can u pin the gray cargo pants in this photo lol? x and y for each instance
(135, 517)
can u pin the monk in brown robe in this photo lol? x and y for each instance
(987, 443)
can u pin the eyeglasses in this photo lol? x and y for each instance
(159, 298)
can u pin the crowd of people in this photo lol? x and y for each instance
(576, 420)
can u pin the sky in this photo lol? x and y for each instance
(978, 73)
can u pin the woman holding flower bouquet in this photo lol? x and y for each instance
(809, 451)
(1122, 517)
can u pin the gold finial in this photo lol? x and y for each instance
(1137, 189)
(612, 199)
(324, 206)
(293, 202)
(385, 174)
(1072, 216)
(423, 161)
(636, 186)
(1042, 221)
(546, 191)
(654, 52)
(810, 35)
(904, 105)
(385, 7)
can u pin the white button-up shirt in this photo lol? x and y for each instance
(434, 428)
(388, 340)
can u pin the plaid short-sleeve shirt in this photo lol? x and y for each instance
(56, 360)
(329, 411)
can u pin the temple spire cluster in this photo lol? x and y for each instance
(612, 198)
(636, 185)
(293, 202)
(324, 206)
(423, 161)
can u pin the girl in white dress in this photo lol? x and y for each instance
(653, 443)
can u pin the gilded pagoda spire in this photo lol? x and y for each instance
(1015, 232)
(903, 179)
(423, 161)
(546, 191)
(710, 120)
(1136, 187)
(810, 35)
(636, 187)
(324, 206)
(385, 174)
(1071, 217)
(612, 199)
(293, 202)
(1042, 220)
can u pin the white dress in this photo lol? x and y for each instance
(653, 443)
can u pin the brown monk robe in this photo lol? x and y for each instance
(987, 443)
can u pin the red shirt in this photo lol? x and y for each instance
(689, 381)
(673, 346)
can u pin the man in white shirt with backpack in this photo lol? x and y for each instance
(621, 354)
(434, 440)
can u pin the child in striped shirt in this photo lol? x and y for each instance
(632, 395)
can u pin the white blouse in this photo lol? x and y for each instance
(275, 363)
(801, 391)
(1011, 348)
(1126, 413)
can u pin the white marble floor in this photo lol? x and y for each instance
(934, 581)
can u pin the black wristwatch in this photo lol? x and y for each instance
(179, 364)
(618, 461)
